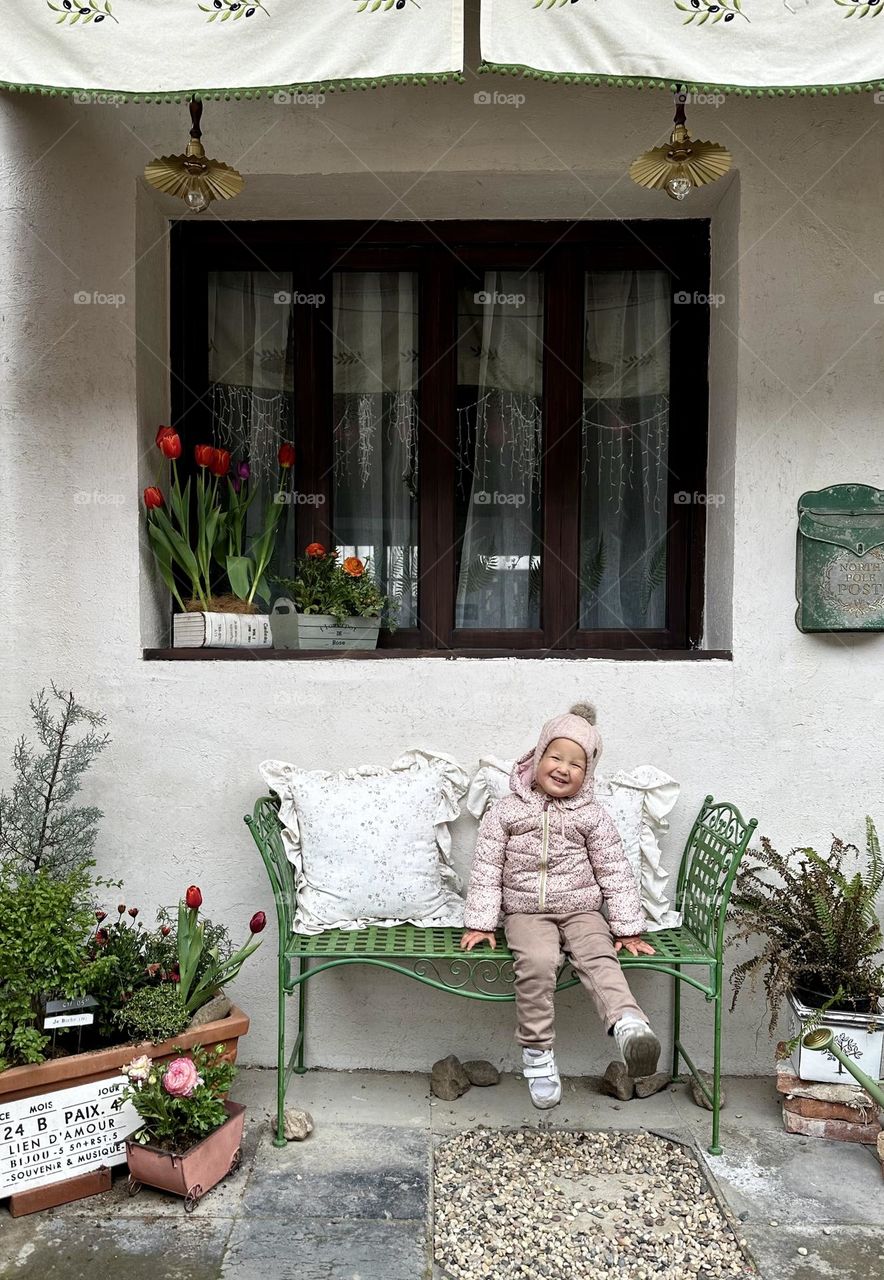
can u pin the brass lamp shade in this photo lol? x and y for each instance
(682, 165)
(192, 177)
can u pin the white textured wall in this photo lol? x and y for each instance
(790, 729)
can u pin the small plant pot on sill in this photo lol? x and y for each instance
(858, 1035)
(194, 1172)
(293, 630)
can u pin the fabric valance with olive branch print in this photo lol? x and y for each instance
(742, 46)
(171, 48)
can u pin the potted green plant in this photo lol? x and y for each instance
(190, 1135)
(330, 604)
(80, 994)
(200, 537)
(821, 946)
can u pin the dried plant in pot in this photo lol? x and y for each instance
(816, 917)
(191, 1134)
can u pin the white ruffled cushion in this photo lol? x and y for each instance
(371, 845)
(639, 802)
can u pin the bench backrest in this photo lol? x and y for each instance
(715, 846)
(266, 831)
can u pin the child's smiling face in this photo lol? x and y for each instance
(562, 768)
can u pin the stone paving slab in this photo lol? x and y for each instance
(343, 1171)
(848, 1253)
(314, 1249)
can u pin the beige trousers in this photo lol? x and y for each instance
(536, 941)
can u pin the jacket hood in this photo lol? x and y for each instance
(578, 724)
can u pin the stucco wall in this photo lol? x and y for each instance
(790, 729)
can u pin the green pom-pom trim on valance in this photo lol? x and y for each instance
(672, 86)
(250, 93)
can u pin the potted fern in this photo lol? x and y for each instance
(821, 947)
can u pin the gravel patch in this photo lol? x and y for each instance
(539, 1204)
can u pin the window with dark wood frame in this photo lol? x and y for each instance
(600, 416)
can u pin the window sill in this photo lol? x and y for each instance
(311, 655)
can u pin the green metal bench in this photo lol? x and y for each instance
(717, 842)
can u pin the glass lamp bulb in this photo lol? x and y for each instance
(196, 200)
(679, 187)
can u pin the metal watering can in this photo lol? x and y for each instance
(822, 1039)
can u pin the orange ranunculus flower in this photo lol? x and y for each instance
(353, 566)
(204, 455)
(286, 455)
(220, 464)
(153, 497)
(162, 432)
(315, 551)
(170, 444)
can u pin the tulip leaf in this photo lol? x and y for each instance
(239, 571)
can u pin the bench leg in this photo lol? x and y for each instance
(715, 1148)
(298, 1066)
(281, 1062)
(676, 1025)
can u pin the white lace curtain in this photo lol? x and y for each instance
(375, 445)
(625, 450)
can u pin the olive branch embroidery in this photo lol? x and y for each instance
(72, 11)
(373, 5)
(703, 10)
(861, 7)
(235, 9)
(551, 4)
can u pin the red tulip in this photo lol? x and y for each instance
(100, 915)
(121, 907)
(220, 464)
(166, 930)
(174, 977)
(101, 936)
(286, 455)
(153, 497)
(204, 454)
(162, 432)
(193, 898)
(170, 445)
(133, 912)
(258, 922)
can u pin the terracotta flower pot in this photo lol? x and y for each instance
(196, 1171)
(98, 1064)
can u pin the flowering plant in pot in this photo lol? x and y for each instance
(326, 594)
(191, 1135)
(201, 537)
(821, 944)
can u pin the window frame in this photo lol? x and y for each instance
(311, 250)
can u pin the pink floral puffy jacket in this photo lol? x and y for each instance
(535, 853)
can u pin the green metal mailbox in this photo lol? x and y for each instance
(840, 559)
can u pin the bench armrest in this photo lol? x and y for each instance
(266, 831)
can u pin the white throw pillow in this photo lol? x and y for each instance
(638, 801)
(371, 845)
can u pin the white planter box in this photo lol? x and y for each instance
(320, 631)
(860, 1036)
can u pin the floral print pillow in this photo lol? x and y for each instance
(371, 845)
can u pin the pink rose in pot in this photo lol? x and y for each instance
(180, 1078)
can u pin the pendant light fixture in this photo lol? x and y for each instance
(194, 179)
(682, 165)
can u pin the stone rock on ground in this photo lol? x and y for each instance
(646, 1085)
(448, 1080)
(211, 1011)
(297, 1124)
(700, 1097)
(617, 1082)
(481, 1073)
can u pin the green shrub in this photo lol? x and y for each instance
(45, 923)
(153, 1013)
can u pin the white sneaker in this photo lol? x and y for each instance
(638, 1045)
(539, 1069)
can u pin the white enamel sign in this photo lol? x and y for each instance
(54, 1136)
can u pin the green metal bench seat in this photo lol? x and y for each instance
(714, 848)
